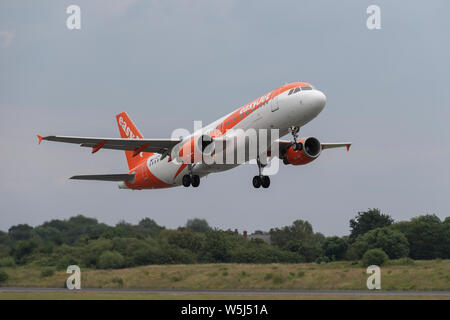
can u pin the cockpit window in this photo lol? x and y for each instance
(297, 89)
(294, 90)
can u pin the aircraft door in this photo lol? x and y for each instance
(274, 105)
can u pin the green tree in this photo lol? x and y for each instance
(427, 218)
(258, 251)
(368, 220)
(92, 251)
(146, 254)
(334, 248)
(5, 250)
(81, 226)
(148, 227)
(50, 233)
(185, 239)
(428, 237)
(121, 230)
(300, 238)
(20, 232)
(198, 225)
(23, 250)
(307, 250)
(72, 230)
(3, 277)
(111, 260)
(392, 242)
(299, 231)
(217, 247)
(374, 257)
(4, 238)
(174, 255)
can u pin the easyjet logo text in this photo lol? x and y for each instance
(255, 103)
(126, 129)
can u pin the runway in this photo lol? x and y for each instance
(235, 292)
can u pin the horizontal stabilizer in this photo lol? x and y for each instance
(106, 177)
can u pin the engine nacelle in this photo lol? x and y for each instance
(311, 150)
(193, 150)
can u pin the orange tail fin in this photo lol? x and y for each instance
(129, 131)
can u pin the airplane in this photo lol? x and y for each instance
(151, 162)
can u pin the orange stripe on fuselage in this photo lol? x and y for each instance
(183, 165)
(244, 111)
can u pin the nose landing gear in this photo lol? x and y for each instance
(297, 146)
(261, 180)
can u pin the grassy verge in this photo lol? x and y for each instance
(157, 296)
(433, 275)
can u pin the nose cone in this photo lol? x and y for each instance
(319, 100)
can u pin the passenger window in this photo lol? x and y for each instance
(306, 88)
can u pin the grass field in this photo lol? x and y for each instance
(432, 275)
(157, 296)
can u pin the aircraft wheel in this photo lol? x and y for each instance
(186, 180)
(265, 181)
(285, 161)
(195, 181)
(257, 181)
(297, 146)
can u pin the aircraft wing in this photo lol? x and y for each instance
(137, 145)
(336, 145)
(285, 144)
(105, 177)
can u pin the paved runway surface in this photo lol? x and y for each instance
(242, 292)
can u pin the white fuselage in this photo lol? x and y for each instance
(280, 112)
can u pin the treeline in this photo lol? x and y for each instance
(83, 241)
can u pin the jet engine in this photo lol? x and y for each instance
(310, 150)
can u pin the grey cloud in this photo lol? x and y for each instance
(168, 63)
(7, 38)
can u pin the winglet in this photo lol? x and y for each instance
(348, 147)
(98, 146)
(40, 139)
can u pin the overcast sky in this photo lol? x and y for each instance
(168, 63)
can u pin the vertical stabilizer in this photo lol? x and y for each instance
(129, 131)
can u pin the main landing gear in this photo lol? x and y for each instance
(191, 179)
(261, 180)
